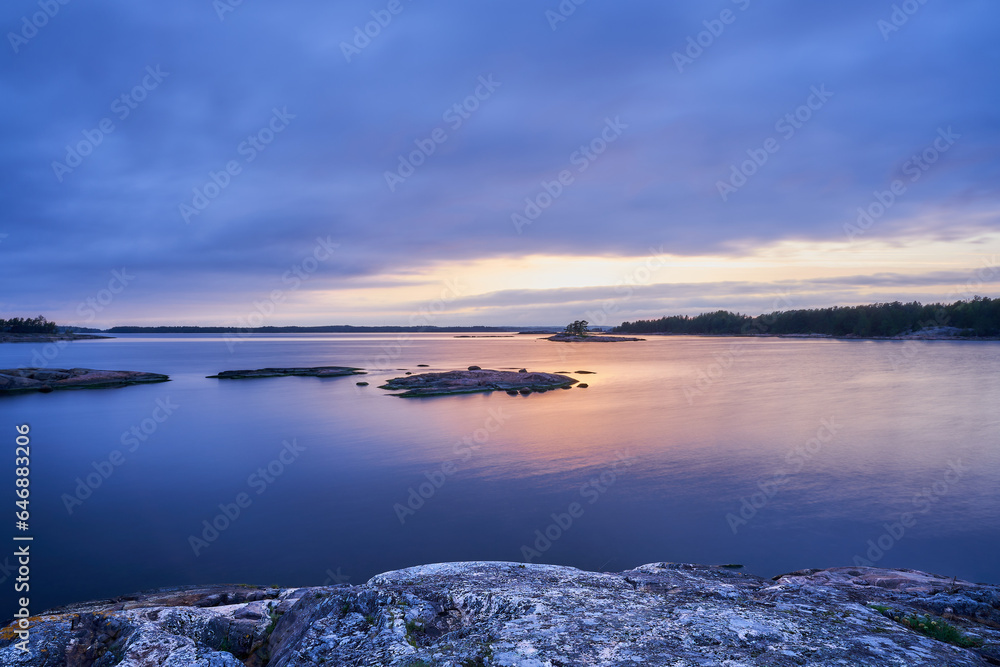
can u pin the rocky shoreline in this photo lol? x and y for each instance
(484, 614)
(46, 338)
(18, 380)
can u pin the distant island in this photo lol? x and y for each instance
(578, 332)
(975, 318)
(338, 328)
(46, 338)
(37, 330)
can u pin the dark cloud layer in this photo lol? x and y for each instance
(222, 76)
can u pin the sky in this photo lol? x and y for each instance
(393, 162)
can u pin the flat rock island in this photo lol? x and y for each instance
(316, 372)
(15, 380)
(571, 338)
(492, 614)
(477, 380)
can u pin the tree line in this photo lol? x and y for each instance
(27, 325)
(979, 316)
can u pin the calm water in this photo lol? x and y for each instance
(830, 440)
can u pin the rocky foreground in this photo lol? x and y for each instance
(317, 371)
(512, 614)
(565, 338)
(16, 380)
(477, 380)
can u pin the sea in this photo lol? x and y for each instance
(775, 454)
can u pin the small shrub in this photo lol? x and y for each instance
(274, 621)
(931, 627)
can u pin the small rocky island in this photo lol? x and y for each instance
(590, 338)
(486, 614)
(577, 332)
(16, 380)
(316, 371)
(475, 380)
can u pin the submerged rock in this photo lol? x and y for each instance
(15, 380)
(316, 371)
(512, 614)
(476, 380)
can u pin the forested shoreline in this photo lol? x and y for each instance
(25, 325)
(977, 317)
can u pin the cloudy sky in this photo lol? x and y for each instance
(493, 162)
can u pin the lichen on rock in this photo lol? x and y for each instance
(528, 615)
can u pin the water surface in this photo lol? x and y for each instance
(824, 445)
